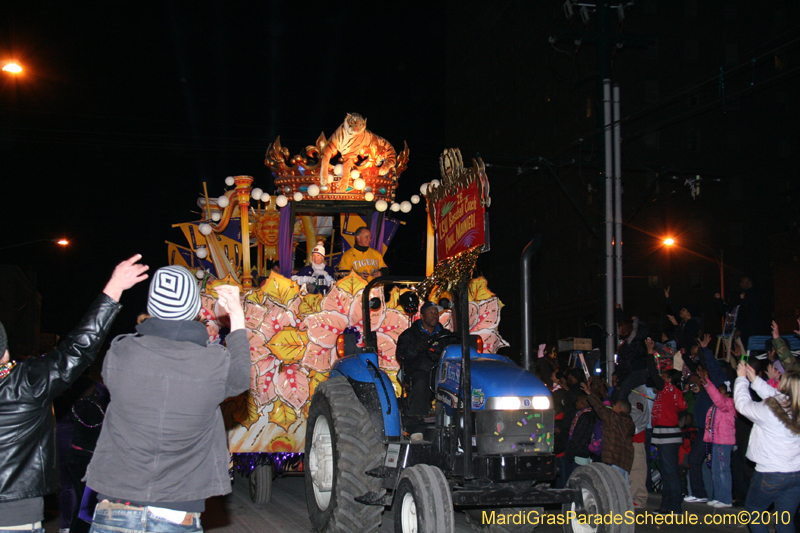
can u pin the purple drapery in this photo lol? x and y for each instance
(377, 233)
(285, 237)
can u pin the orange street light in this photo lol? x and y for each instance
(12, 67)
(62, 242)
(669, 242)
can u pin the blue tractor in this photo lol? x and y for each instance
(486, 450)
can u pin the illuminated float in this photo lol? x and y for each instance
(293, 334)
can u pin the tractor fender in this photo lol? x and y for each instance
(374, 390)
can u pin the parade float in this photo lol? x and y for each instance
(251, 238)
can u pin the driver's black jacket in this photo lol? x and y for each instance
(413, 352)
(28, 464)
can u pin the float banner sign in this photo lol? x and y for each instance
(460, 222)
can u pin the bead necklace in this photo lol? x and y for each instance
(5, 369)
(84, 423)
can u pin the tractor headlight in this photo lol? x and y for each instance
(541, 402)
(506, 403)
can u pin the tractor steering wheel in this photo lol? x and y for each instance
(441, 336)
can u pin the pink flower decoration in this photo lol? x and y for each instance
(292, 386)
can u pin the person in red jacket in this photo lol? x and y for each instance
(667, 435)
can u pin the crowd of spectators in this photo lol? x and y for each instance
(679, 421)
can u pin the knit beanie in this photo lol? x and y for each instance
(319, 249)
(173, 294)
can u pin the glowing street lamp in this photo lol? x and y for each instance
(669, 242)
(12, 68)
(61, 242)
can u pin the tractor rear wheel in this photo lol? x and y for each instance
(605, 493)
(341, 445)
(423, 502)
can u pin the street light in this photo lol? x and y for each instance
(12, 68)
(718, 258)
(60, 242)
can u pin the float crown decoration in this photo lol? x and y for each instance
(367, 165)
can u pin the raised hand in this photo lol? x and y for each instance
(706, 339)
(650, 344)
(741, 369)
(751, 373)
(126, 274)
(541, 350)
(666, 292)
(775, 332)
(230, 302)
(672, 319)
(585, 388)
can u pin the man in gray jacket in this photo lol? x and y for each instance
(163, 449)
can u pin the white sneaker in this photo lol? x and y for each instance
(712, 503)
(720, 505)
(694, 499)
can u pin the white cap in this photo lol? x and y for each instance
(319, 249)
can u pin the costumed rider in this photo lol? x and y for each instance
(365, 261)
(418, 354)
(317, 277)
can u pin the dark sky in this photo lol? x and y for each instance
(125, 109)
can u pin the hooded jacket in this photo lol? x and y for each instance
(775, 440)
(28, 464)
(720, 420)
(163, 440)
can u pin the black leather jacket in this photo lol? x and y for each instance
(28, 461)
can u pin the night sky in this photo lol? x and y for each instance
(125, 109)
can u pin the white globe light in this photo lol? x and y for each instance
(229, 181)
(381, 205)
(324, 188)
(355, 174)
(215, 216)
(423, 188)
(359, 183)
(415, 199)
(281, 200)
(287, 190)
(434, 183)
(337, 169)
(200, 273)
(201, 252)
(405, 206)
(256, 193)
(265, 198)
(313, 190)
(368, 196)
(298, 196)
(205, 229)
(395, 207)
(223, 201)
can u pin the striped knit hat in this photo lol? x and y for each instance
(173, 294)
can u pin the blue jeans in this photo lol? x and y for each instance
(671, 494)
(779, 488)
(121, 518)
(721, 472)
(622, 471)
(697, 462)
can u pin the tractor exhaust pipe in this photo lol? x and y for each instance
(526, 303)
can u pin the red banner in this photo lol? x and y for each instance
(459, 222)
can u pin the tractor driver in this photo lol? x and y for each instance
(418, 359)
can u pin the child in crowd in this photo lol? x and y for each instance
(580, 435)
(618, 431)
(721, 435)
(667, 434)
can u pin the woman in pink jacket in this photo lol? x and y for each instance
(720, 437)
